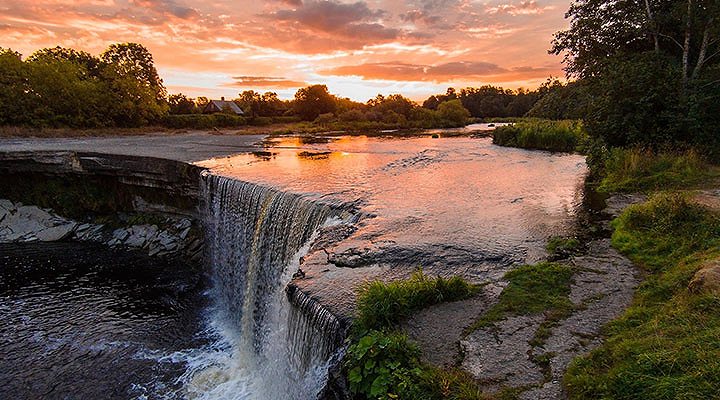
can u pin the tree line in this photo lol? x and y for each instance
(62, 87)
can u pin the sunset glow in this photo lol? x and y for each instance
(221, 47)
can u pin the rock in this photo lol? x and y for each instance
(35, 214)
(707, 279)
(7, 205)
(136, 237)
(501, 356)
(56, 233)
(120, 234)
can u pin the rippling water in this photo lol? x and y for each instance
(455, 200)
(80, 321)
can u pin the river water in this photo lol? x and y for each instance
(87, 322)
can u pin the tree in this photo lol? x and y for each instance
(135, 61)
(651, 67)
(313, 101)
(91, 63)
(453, 112)
(181, 104)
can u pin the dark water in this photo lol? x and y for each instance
(80, 321)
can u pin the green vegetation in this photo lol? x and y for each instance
(667, 344)
(542, 135)
(636, 170)
(383, 304)
(61, 87)
(532, 289)
(559, 246)
(381, 363)
(650, 68)
(203, 121)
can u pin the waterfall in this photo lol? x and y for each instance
(272, 344)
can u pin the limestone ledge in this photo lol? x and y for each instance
(26, 223)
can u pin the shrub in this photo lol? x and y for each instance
(384, 365)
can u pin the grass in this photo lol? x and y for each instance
(637, 170)
(667, 344)
(532, 289)
(559, 246)
(383, 304)
(381, 363)
(565, 136)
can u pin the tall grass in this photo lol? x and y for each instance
(667, 344)
(383, 304)
(628, 170)
(549, 135)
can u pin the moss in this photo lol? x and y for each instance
(559, 246)
(667, 344)
(532, 289)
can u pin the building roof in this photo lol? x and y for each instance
(220, 105)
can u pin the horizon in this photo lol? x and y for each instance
(416, 48)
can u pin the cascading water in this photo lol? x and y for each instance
(270, 345)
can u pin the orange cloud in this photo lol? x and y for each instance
(355, 46)
(265, 82)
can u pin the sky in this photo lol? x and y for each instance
(360, 48)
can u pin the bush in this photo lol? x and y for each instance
(542, 135)
(384, 365)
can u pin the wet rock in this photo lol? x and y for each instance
(498, 356)
(617, 203)
(438, 329)
(707, 279)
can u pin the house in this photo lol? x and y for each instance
(217, 106)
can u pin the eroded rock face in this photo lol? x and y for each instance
(20, 223)
(707, 279)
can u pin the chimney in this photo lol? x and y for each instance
(222, 99)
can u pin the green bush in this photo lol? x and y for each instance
(384, 365)
(383, 304)
(542, 135)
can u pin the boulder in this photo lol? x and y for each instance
(707, 278)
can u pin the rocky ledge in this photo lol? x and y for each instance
(167, 238)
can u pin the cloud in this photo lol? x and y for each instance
(168, 7)
(525, 7)
(399, 71)
(264, 82)
(351, 20)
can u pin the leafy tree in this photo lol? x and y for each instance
(313, 101)
(91, 63)
(651, 68)
(135, 61)
(181, 104)
(14, 88)
(395, 103)
(453, 112)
